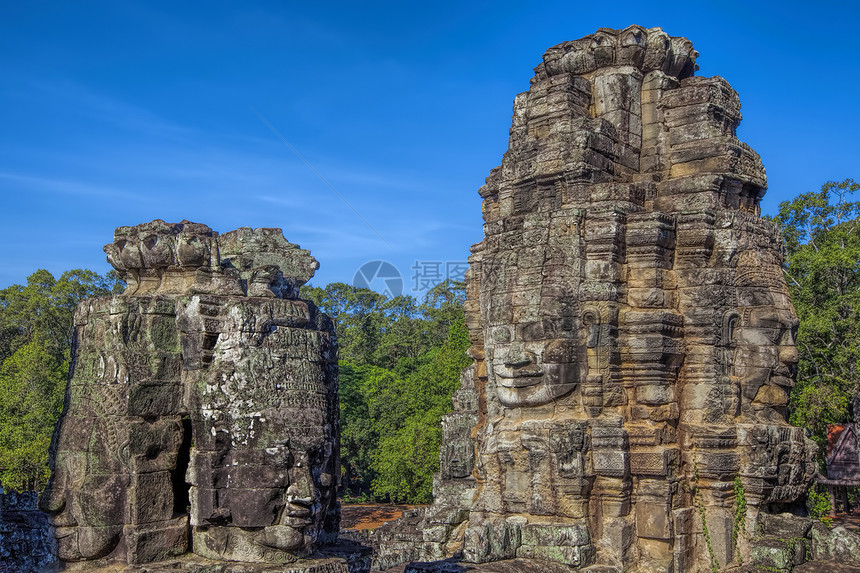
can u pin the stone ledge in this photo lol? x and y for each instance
(194, 564)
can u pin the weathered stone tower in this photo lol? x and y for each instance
(632, 332)
(202, 402)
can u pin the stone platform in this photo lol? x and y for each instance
(194, 564)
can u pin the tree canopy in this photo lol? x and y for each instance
(400, 362)
(35, 341)
(821, 234)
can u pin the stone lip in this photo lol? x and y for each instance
(191, 258)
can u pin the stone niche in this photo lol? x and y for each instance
(632, 334)
(201, 413)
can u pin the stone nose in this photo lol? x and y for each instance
(788, 355)
(788, 358)
(301, 488)
(52, 499)
(516, 356)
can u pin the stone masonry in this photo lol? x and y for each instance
(201, 413)
(631, 329)
(25, 540)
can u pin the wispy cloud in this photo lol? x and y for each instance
(69, 187)
(75, 97)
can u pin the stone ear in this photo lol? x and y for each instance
(730, 323)
(731, 319)
(591, 322)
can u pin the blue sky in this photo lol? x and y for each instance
(116, 113)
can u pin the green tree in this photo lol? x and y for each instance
(822, 267)
(358, 318)
(32, 381)
(35, 341)
(399, 364)
(443, 306)
(410, 428)
(359, 432)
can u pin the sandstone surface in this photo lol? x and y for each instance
(632, 333)
(201, 413)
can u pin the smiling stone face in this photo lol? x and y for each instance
(203, 396)
(264, 470)
(533, 363)
(765, 356)
(533, 332)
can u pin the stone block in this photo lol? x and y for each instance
(156, 541)
(718, 464)
(154, 443)
(773, 554)
(88, 542)
(654, 463)
(785, 525)
(150, 498)
(614, 464)
(257, 507)
(656, 556)
(682, 520)
(574, 556)
(837, 545)
(618, 535)
(646, 297)
(204, 505)
(653, 520)
(101, 501)
(555, 535)
(155, 399)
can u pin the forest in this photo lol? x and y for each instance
(400, 358)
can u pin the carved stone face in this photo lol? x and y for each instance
(275, 463)
(298, 517)
(311, 491)
(533, 337)
(531, 364)
(86, 508)
(765, 356)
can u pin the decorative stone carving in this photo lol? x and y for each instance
(632, 332)
(202, 401)
(25, 540)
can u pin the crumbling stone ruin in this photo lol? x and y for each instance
(632, 332)
(201, 414)
(25, 541)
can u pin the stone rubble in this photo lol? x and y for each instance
(25, 540)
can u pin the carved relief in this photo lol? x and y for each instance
(203, 400)
(631, 328)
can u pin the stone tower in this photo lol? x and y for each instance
(631, 328)
(202, 406)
